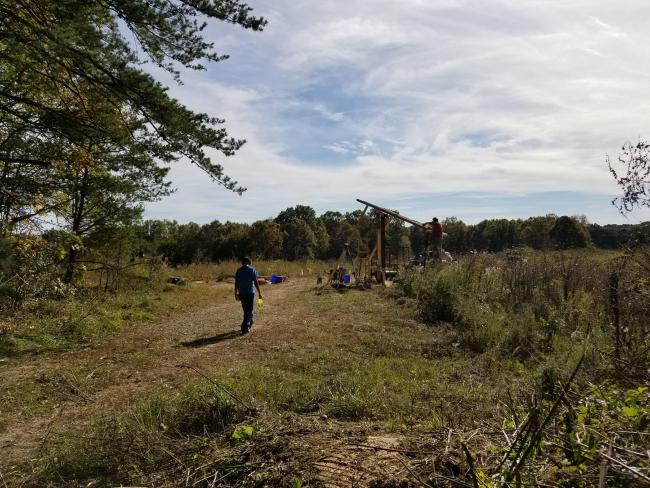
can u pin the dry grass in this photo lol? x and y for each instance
(330, 389)
(221, 271)
(355, 360)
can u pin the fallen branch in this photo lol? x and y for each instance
(470, 461)
(632, 470)
(412, 473)
(3, 480)
(389, 449)
(520, 459)
(76, 389)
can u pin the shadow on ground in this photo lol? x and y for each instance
(206, 341)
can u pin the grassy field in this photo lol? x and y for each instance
(459, 376)
(226, 269)
(48, 325)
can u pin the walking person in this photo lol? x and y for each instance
(245, 286)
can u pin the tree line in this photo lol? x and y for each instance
(298, 233)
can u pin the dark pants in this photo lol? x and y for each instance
(433, 248)
(437, 247)
(247, 301)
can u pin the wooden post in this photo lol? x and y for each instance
(384, 231)
(380, 248)
(383, 214)
(382, 225)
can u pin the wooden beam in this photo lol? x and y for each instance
(391, 213)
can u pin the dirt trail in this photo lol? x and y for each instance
(118, 370)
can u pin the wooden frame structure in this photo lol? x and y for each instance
(379, 254)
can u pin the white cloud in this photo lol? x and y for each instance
(337, 148)
(608, 29)
(498, 96)
(333, 116)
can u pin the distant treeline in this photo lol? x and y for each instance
(51, 263)
(298, 233)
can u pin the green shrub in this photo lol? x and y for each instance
(437, 303)
(482, 326)
(28, 273)
(530, 305)
(436, 293)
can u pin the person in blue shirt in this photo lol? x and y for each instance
(245, 286)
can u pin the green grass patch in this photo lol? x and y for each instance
(174, 427)
(410, 388)
(49, 325)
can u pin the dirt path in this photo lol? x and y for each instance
(299, 328)
(115, 372)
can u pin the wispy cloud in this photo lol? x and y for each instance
(337, 148)
(609, 29)
(392, 99)
(333, 116)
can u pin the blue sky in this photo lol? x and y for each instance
(476, 109)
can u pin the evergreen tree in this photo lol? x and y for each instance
(366, 225)
(318, 231)
(332, 222)
(234, 243)
(302, 212)
(71, 80)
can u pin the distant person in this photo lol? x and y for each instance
(245, 286)
(434, 228)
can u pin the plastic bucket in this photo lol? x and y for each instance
(275, 279)
(346, 278)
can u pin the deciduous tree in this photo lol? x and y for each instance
(631, 171)
(569, 233)
(266, 239)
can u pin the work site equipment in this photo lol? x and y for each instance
(378, 265)
(340, 275)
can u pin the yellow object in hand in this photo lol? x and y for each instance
(260, 302)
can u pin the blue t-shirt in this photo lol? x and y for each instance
(245, 280)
